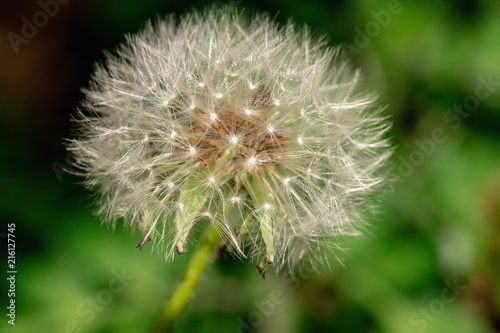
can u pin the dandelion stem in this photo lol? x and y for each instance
(198, 263)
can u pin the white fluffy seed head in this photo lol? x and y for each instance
(259, 127)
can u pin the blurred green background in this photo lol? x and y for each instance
(429, 261)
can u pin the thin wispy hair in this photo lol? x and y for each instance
(256, 128)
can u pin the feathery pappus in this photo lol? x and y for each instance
(255, 128)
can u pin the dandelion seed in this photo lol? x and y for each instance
(267, 206)
(192, 151)
(250, 140)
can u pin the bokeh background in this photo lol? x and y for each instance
(429, 261)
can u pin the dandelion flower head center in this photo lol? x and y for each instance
(241, 137)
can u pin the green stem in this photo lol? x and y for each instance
(198, 262)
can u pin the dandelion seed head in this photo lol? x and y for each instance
(217, 116)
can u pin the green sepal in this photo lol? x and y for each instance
(261, 267)
(193, 197)
(257, 193)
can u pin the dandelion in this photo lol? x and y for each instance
(256, 127)
(255, 131)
